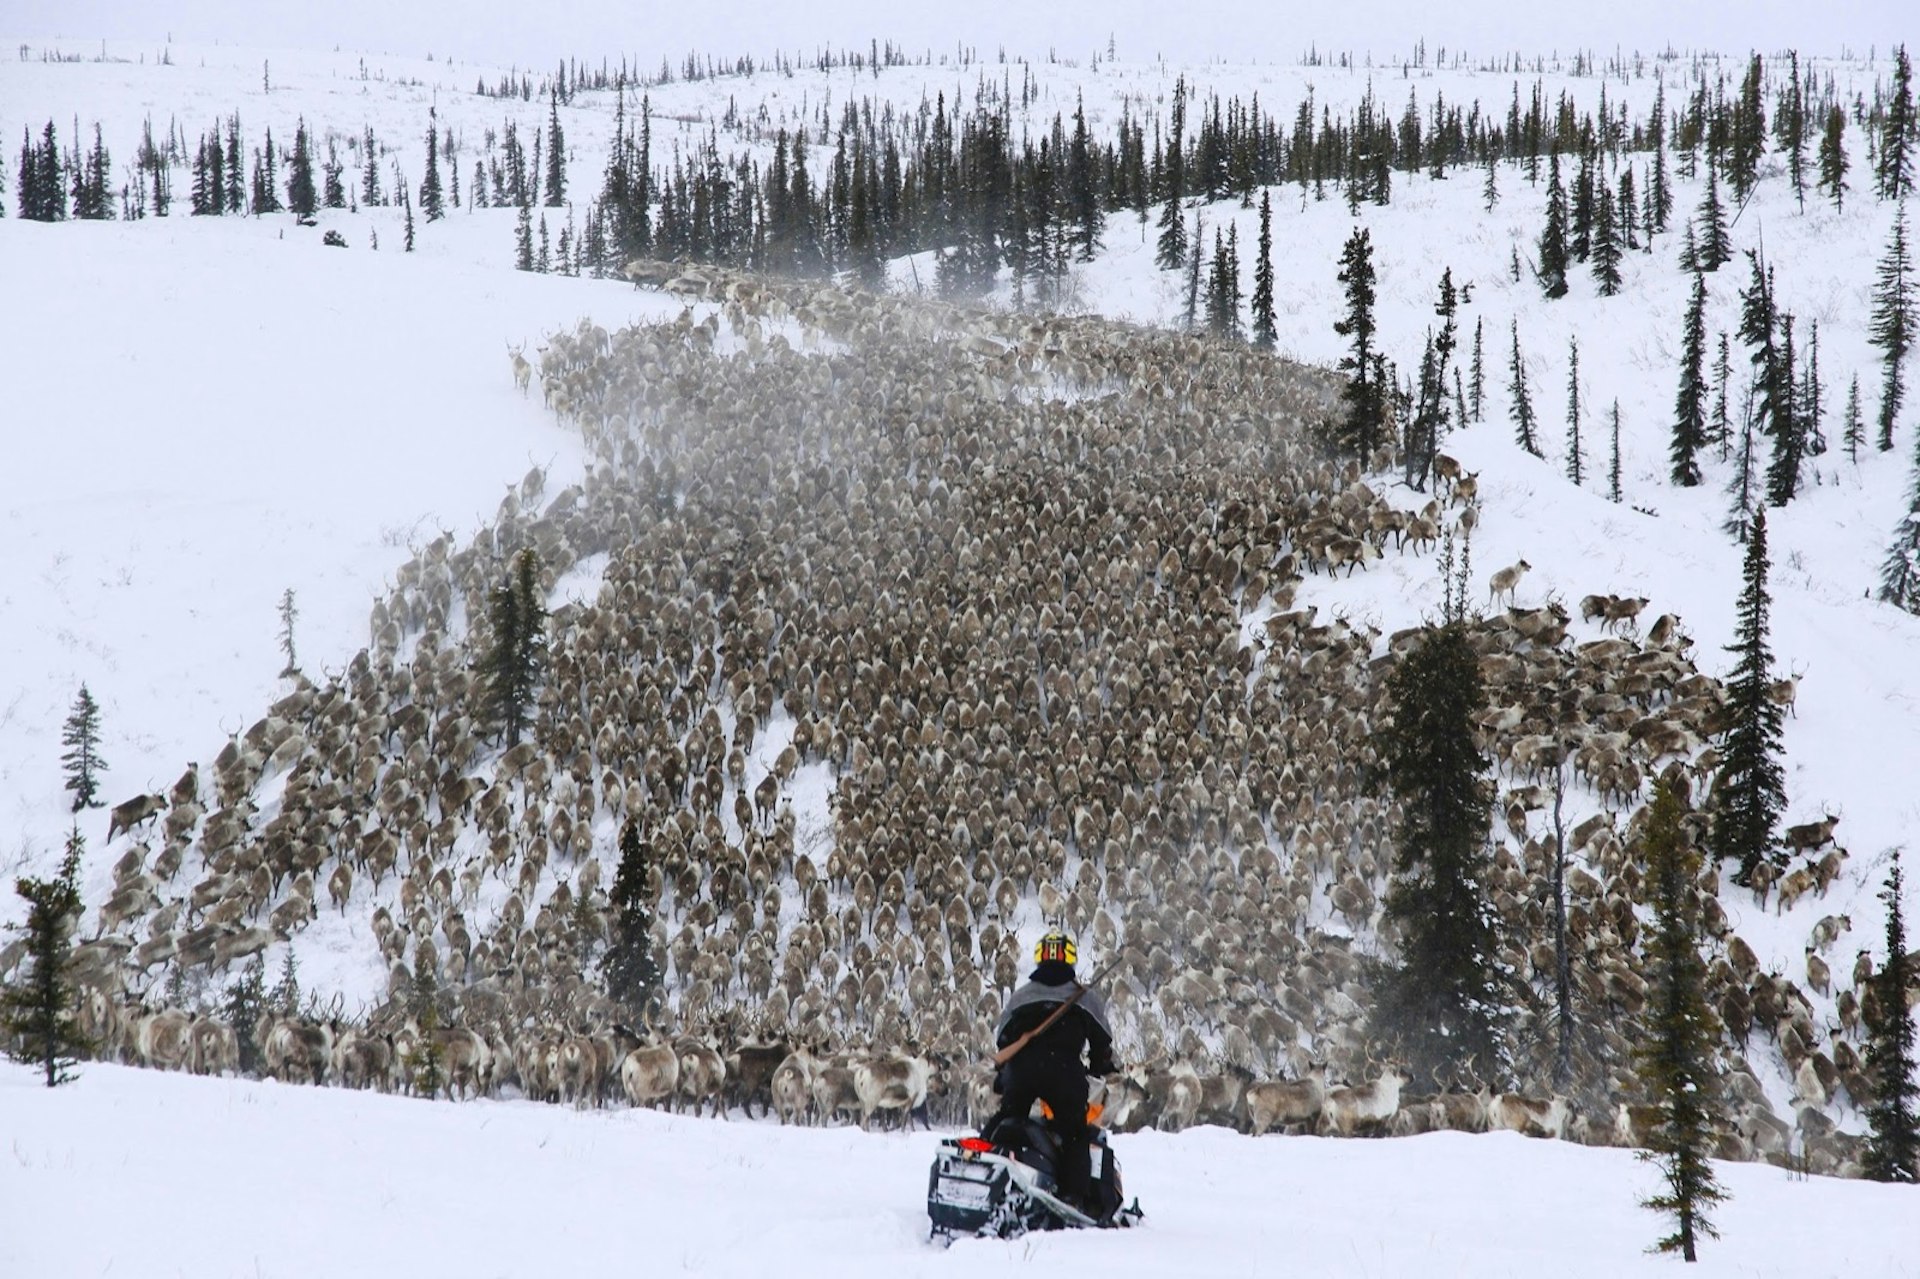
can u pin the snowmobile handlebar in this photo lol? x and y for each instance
(1008, 1053)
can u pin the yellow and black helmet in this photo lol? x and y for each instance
(1055, 945)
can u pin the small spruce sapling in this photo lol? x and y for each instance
(1613, 468)
(289, 613)
(246, 1001)
(81, 736)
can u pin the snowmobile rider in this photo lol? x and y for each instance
(1050, 1067)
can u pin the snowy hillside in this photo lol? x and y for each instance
(227, 1178)
(209, 412)
(157, 579)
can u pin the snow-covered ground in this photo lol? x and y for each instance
(219, 1178)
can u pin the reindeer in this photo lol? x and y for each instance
(522, 371)
(1530, 1116)
(750, 1070)
(892, 1084)
(1810, 836)
(703, 1074)
(1277, 1104)
(1352, 1110)
(649, 1073)
(1828, 931)
(1505, 580)
(141, 808)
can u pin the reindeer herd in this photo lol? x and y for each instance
(1017, 595)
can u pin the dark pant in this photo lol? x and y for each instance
(1062, 1084)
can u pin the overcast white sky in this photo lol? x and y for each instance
(531, 32)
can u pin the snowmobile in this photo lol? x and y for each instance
(1002, 1183)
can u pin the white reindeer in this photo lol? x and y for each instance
(522, 371)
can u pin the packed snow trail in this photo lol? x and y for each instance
(132, 1172)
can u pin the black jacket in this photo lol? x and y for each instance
(1084, 1028)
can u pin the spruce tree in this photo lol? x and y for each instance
(289, 613)
(81, 736)
(523, 240)
(210, 184)
(1477, 379)
(1690, 403)
(1811, 402)
(1263, 331)
(1894, 176)
(1195, 250)
(1428, 421)
(245, 1002)
(284, 998)
(1083, 190)
(517, 613)
(40, 199)
(556, 154)
(334, 190)
(1774, 412)
(1490, 189)
(1833, 156)
(1855, 422)
(1893, 1113)
(37, 1012)
(301, 198)
(1659, 189)
(1553, 240)
(1900, 573)
(1441, 1004)
(369, 171)
(1171, 251)
(236, 164)
(1522, 401)
(1721, 431)
(1742, 483)
(628, 968)
(1892, 329)
(1223, 291)
(1792, 125)
(425, 1064)
(1580, 213)
(1606, 245)
(406, 216)
(1749, 790)
(1625, 215)
(91, 199)
(1749, 134)
(1576, 456)
(1365, 423)
(1613, 468)
(1677, 1056)
(1689, 251)
(1714, 246)
(269, 183)
(432, 200)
